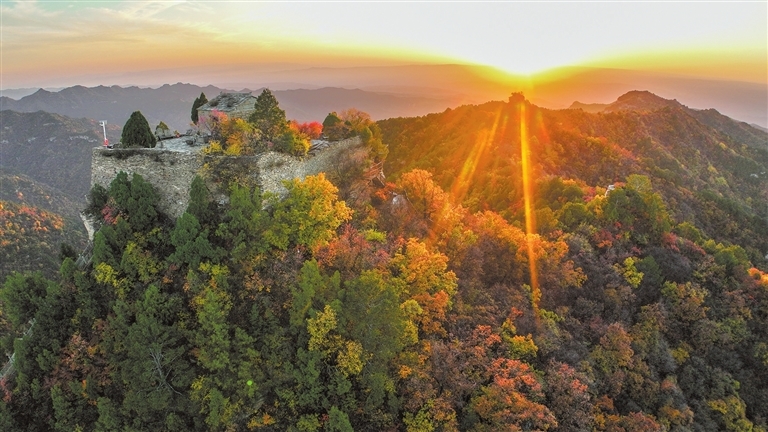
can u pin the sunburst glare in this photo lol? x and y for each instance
(478, 153)
(530, 216)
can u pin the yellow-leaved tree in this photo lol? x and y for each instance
(309, 215)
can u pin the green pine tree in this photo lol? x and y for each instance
(200, 101)
(136, 132)
(200, 204)
(268, 117)
(334, 128)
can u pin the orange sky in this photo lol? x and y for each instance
(60, 43)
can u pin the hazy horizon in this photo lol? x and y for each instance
(60, 43)
(706, 55)
(460, 84)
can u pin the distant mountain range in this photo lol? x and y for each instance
(115, 104)
(172, 103)
(21, 92)
(461, 84)
(393, 91)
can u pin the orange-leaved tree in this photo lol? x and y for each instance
(312, 130)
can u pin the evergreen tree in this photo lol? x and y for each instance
(136, 132)
(332, 119)
(200, 101)
(22, 295)
(191, 242)
(97, 199)
(334, 128)
(137, 198)
(268, 116)
(200, 204)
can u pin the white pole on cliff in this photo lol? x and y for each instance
(103, 124)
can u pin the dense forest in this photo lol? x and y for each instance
(638, 301)
(34, 222)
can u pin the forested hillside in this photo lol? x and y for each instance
(51, 149)
(45, 171)
(711, 171)
(34, 221)
(430, 303)
(31, 238)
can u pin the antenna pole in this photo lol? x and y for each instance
(103, 124)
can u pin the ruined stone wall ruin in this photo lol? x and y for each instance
(171, 172)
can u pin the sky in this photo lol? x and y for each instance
(64, 43)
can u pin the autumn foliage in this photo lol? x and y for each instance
(414, 310)
(311, 130)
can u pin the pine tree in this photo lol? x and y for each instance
(200, 204)
(331, 120)
(200, 101)
(268, 116)
(136, 132)
(97, 199)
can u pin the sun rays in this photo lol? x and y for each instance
(530, 216)
(477, 160)
(479, 152)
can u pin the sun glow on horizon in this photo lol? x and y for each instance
(43, 41)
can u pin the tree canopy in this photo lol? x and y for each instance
(414, 306)
(333, 127)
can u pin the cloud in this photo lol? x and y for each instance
(149, 9)
(27, 26)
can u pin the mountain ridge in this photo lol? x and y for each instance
(637, 100)
(687, 152)
(171, 103)
(436, 86)
(51, 148)
(643, 100)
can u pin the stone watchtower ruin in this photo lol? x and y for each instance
(171, 169)
(234, 105)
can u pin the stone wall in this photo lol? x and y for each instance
(171, 172)
(274, 167)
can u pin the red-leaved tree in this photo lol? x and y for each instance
(312, 130)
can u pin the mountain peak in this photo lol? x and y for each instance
(640, 100)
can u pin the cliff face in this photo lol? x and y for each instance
(171, 172)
